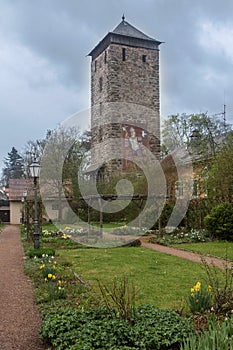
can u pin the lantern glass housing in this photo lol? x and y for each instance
(34, 169)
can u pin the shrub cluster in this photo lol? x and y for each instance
(219, 223)
(95, 328)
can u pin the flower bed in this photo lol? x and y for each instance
(73, 317)
(181, 236)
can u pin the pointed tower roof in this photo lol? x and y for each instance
(125, 34)
(125, 28)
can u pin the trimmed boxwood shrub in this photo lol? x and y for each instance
(219, 223)
(95, 328)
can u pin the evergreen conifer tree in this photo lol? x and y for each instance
(14, 166)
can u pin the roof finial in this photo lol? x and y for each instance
(123, 17)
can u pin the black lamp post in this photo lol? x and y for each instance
(34, 172)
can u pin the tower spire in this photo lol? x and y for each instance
(123, 17)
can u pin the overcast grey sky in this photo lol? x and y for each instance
(45, 73)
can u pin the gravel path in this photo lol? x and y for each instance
(19, 318)
(187, 255)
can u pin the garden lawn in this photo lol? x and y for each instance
(217, 249)
(49, 226)
(160, 279)
(107, 225)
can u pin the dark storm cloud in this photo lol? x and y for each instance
(45, 72)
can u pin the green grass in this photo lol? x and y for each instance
(160, 279)
(48, 226)
(217, 249)
(109, 224)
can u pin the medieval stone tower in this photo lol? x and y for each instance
(125, 95)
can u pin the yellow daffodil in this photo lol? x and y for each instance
(53, 277)
(42, 266)
(197, 286)
(50, 275)
(209, 288)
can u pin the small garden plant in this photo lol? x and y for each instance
(119, 298)
(200, 298)
(219, 336)
(54, 286)
(222, 289)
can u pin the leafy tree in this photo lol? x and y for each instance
(14, 166)
(55, 169)
(73, 160)
(197, 133)
(85, 141)
(219, 180)
(34, 149)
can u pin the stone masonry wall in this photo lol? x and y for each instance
(116, 83)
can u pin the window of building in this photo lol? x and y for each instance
(105, 56)
(144, 58)
(100, 84)
(95, 65)
(123, 54)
